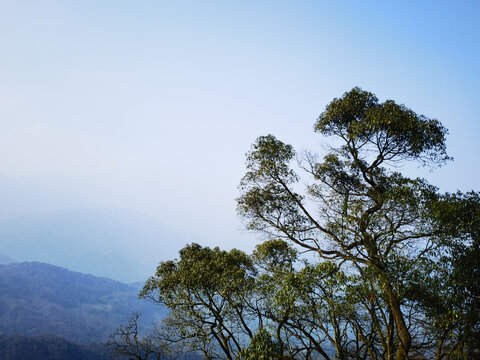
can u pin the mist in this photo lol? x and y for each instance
(149, 107)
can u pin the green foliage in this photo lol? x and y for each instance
(262, 347)
(275, 255)
(450, 293)
(200, 272)
(268, 158)
(204, 291)
(394, 130)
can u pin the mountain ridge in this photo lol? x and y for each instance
(38, 298)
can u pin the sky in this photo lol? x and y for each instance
(150, 106)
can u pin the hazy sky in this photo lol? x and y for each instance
(151, 105)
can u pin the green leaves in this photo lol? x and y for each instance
(200, 271)
(275, 255)
(269, 158)
(262, 347)
(346, 115)
(394, 131)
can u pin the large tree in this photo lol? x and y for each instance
(357, 209)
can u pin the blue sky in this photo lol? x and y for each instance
(151, 105)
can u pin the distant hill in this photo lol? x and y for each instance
(117, 244)
(37, 298)
(48, 347)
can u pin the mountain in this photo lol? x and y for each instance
(48, 347)
(38, 298)
(117, 244)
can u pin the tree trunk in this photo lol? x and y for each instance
(402, 330)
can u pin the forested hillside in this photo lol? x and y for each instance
(48, 347)
(37, 298)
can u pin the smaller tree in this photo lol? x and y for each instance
(447, 287)
(205, 292)
(126, 341)
(356, 208)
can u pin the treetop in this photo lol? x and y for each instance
(393, 131)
